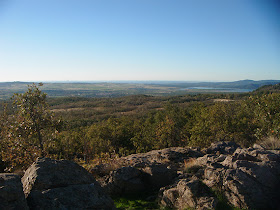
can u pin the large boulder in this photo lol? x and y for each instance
(249, 178)
(160, 175)
(11, 192)
(187, 193)
(62, 184)
(146, 171)
(83, 196)
(126, 181)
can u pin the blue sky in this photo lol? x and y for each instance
(185, 40)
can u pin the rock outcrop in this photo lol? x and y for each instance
(62, 184)
(188, 193)
(11, 193)
(222, 147)
(160, 175)
(142, 172)
(168, 156)
(223, 174)
(126, 181)
(248, 178)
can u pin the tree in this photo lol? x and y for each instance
(33, 119)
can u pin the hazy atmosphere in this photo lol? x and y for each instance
(139, 104)
(89, 40)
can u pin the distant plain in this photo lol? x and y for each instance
(117, 89)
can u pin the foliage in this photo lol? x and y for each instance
(266, 110)
(29, 132)
(33, 116)
(131, 124)
(266, 89)
(223, 122)
(175, 121)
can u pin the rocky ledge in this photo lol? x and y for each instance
(246, 178)
(223, 174)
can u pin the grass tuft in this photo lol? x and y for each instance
(270, 143)
(191, 166)
(140, 201)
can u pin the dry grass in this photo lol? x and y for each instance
(102, 166)
(190, 163)
(191, 166)
(270, 143)
(113, 165)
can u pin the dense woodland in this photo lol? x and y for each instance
(90, 128)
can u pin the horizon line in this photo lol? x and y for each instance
(128, 81)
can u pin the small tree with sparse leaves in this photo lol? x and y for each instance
(29, 132)
(33, 120)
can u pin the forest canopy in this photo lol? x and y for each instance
(31, 124)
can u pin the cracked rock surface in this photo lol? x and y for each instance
(62, 184)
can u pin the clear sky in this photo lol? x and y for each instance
(185, 40)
